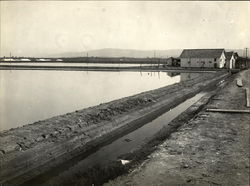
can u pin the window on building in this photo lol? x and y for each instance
(214, 59)
(210, 61)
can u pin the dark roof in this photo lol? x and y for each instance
(201, 53)
(236, 54)
(229, 55)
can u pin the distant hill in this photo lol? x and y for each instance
(111, 52)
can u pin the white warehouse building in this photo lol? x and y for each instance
(203, 58)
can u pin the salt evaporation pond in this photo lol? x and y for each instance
(68, 64)
(28, 96)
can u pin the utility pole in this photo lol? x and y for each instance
(87, 58)
(246, 61)
(87, 61)
(154, 58)
(152, 62)
(10, 57)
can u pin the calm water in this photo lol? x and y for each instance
(28, 96)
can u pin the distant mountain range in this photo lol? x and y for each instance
(112, 52)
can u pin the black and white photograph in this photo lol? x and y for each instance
(124, 93)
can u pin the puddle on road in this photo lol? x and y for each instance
(112, 151)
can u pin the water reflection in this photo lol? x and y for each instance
(28, 96)
(172, 74)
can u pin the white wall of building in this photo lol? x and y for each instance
(222, 61)
(231, 63)
(198, 62)
(204, 62)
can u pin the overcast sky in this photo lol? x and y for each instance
(31, 28)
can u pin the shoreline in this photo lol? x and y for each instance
(129, 68)
(70, 134)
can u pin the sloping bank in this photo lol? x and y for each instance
(30, 150)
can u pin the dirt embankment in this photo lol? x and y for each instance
(148, 68)
(98, 175)
(211, 149)
(26, 148)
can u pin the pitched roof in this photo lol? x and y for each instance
(229, 55)
(201, 53)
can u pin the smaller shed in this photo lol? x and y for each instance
(171, 61)
(242, 63)
(230, 60)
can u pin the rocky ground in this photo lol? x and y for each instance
(210, 149)
(26, 148)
